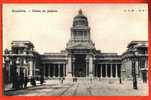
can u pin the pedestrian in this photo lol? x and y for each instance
(61, 80)
(41, 80)
(144, 75)
(25, 82)
(76, 79)
(17, 82)
(21, 80)
(33, 82)
(90, 80)
(73, 80)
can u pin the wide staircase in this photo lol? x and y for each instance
(97, 79)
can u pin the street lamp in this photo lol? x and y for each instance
(134, 70)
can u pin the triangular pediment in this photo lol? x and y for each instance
(80, 46)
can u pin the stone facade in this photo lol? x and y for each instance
(79, 59)
(137, 52)
(21, 60)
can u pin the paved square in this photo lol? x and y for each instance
(83, 88)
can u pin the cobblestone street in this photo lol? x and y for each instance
(82, 88)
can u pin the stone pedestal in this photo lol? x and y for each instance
(69, 75)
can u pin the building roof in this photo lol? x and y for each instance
(140, 43)
(22, 43)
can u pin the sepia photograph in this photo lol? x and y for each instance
(75, 49)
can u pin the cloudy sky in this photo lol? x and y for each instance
(113, 26)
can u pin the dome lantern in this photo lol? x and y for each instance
(80, 19)
(80, 12)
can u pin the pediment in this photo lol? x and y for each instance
(81, 46)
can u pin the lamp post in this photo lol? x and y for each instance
(134, 70)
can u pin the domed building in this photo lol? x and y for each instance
(79, 59)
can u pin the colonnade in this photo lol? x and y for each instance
(107, 70)
(54, 70)
(100, 70)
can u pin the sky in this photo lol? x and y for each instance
(113, 26)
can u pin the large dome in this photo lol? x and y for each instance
(80, 19)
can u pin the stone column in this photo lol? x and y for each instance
(30, 68)
(44, 69)
(101, 70)
(34, 68)
(87, 68)
(111, 67)
(59, 70)
(48, 70)
(136, 67)
(82, 35)
(105, 70)
(129, 68)
(64, 70)
(146, 66)
(96, 67)
(53, 70)
(69, 67)
(90, 66)
(73, 69)
(9, 71)
(18, 66)
(146, 63)
(116, 71)
(94, 71)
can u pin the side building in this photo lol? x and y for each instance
(21, 61)
(137, 54)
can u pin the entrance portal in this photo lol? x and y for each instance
(80, 65)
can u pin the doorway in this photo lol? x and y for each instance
(80, 65)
